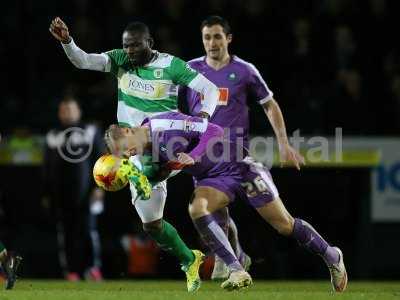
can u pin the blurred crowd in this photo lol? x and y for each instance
(330, 63)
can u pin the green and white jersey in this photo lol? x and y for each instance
(148, 90)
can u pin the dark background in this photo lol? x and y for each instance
(332, 63)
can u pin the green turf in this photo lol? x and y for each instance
(171, 290)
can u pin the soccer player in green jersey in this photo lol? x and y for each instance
(147, 85)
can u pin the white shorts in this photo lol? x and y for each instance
(152, 209)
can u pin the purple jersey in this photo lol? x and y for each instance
(217, 161)
(174, 132)
(236, 82)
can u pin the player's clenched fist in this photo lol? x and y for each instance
(60, 31)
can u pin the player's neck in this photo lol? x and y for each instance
(218, 64)
(146, 60)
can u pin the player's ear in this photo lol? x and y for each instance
(229, 37)
(150, 42)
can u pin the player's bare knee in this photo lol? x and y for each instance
(221, 203)
(153, 227)
(198, 207)
(285, 226)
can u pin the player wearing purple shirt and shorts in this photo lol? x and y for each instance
(237, 81)
(198, 148)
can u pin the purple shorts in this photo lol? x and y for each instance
(253, 183)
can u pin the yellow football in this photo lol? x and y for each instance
(109, 174)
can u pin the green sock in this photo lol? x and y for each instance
(169, 240)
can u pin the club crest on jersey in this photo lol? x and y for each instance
(163, 148)
(158, 73)
(232, 76)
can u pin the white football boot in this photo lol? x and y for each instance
(237, 280)
(221, 271)
(338, 274)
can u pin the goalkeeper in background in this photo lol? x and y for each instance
(147, 85)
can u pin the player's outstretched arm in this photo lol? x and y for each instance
(275, 117)
(210, 92)
(78, 57)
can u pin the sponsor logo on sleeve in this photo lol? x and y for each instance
(190, 69)
(223, 96)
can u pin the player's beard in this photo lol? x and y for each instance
(141, 59)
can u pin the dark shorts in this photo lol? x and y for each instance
(253, 183)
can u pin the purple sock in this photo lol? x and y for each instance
(215, 238)
(234, 240)
(229, 227)
(310, 239)
(221, 216)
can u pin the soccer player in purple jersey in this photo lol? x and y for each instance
(198, 148)
(237, 81)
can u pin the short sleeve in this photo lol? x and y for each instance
(118, 58)
(181, 72)
(257, 86)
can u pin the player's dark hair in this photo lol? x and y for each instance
(138, 27)
(216, 20)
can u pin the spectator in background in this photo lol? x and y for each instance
(71, 150)
(301, 80)
(345, 47)
(392, 108)
(348, 106)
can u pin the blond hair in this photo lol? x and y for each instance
(111, 138)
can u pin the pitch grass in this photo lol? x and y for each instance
(171, 290)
